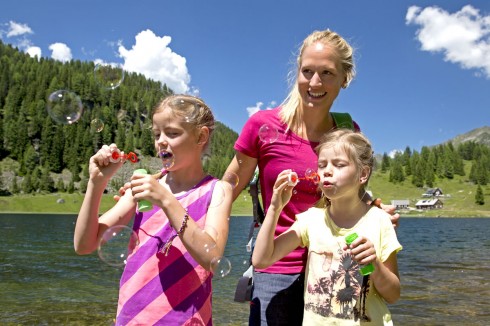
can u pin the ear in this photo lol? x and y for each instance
(203, 136)
(364, 177)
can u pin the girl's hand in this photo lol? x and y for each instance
(100, 166)
(281, 192)
(362, 251)
(122, 191)
(145, 186)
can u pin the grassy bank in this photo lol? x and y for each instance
(70, 204)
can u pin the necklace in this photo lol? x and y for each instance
(340, 251)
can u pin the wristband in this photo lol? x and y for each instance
(168, 244)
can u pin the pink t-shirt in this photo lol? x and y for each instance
(288, 151)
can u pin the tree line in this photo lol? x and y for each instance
(41, 147)
(442, 162)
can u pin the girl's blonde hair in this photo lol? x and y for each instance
(290, 109)
(357, 147)
(192, 110)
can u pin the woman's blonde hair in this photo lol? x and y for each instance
(290, 113)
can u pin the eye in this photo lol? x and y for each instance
(308, 73)
(156, 136)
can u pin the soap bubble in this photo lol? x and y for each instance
(208, 233)
(168, 159)
(218, 195)
(108, 76)
(64, 107)
(116, 244)
(231, 178)
(97, 125)
(221, 266)
(268, 134)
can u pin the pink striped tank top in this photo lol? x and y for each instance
(166, 290)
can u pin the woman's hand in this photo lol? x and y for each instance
(390, 209)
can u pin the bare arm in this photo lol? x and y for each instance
(268, 250)
(244, 167)
(89, 228)
(385, 276)
(205, 245)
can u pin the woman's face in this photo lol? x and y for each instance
(320, 76)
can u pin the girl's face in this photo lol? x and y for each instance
(339, 176)
(320, 76)
(175, 138)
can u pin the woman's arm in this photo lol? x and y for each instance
(242, 166)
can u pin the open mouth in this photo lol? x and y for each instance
(165, 155)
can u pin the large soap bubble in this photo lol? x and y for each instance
(64, 107)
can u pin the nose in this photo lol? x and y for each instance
(315, 80)
(327, 171)
(162, 141)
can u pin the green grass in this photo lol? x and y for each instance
(459, 199)
(48, 203)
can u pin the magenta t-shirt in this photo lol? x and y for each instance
(288, 151)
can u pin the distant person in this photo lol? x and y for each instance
(167, 278)
(325, 65)
(336, 292)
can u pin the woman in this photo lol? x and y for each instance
(325, 65)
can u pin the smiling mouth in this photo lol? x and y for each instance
(316, 95)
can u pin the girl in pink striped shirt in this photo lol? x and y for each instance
(167, 277)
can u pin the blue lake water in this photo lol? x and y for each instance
(444, 269)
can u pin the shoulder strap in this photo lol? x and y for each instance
(342, 120)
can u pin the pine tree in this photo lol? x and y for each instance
(479, 198)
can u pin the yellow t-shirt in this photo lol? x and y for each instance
(333, 282)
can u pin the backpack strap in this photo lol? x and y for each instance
(342, 120)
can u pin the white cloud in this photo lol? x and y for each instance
(60, 52)
(394, 152)
(258, 106)
(463, 37)
(152, 57)
(16, 29)
(34, 51)
(254, 109)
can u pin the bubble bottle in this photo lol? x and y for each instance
(364, 269)
(143, 205)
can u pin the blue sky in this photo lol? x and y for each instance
(423, 67)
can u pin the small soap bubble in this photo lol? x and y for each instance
(221, 266)
(218, 195)
(108, 76)
(312, 175)
(268, 134)
(168, 159)
(97, 125)
(231, 179)
(64, 107)
(206, 235)
(116, 244)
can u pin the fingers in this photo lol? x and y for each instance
(362, 250)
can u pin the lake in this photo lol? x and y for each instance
(444, 269)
